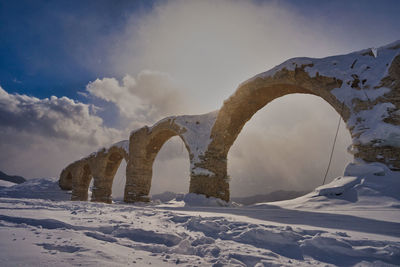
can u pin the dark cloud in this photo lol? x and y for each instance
(39, 137)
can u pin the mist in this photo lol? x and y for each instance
(208, 48)
(286, 146)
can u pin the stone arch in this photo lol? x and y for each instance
(104, 165)
(241, 106)
(144, 145)
(342, 92)
(81, 184)
(65, 181)
(77, 177)
(101, 166)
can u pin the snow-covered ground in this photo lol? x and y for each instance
(354, 221)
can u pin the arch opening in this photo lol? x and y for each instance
(119, 182)
(285, 147)
(106, 170)
(250, 97)
(157, 141)
(171, 170)
(148, 142)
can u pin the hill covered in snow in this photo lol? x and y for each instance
(11, 178)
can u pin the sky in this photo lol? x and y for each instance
(76, 76)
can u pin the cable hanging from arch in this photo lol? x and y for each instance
(334, 143)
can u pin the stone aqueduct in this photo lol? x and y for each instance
(363, 87)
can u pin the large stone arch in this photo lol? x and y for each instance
(354, 85)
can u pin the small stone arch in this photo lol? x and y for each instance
(104, 165)
(145, 144)
(77, 177)
(101, 166)
(65, 181)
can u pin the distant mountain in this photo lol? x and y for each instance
(12, 178)
(270, 197)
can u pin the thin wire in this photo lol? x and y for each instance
(333, 146)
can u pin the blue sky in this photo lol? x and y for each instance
(114, 66)
(42, 41)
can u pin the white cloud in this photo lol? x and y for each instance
(109, 89)
(144, 99)
(39, 137)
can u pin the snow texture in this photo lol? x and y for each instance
(198, 136)
(122, 144)
(353, 221)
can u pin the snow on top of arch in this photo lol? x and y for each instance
(198, 136)
(196, 133)
(369, 66)
(124, 144)
(197, 130)
(343, 66)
